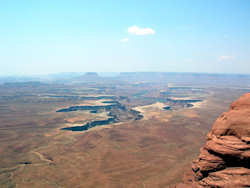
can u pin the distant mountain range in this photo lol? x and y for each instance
(164, 77)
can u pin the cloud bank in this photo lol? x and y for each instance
(134, 30)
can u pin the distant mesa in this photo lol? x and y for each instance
(24, 84)
(93, 74)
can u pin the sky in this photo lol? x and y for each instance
(44, 36)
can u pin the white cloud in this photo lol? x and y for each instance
(226, 58)
(134, 30)
(124, 40)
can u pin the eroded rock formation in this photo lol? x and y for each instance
(224, 161)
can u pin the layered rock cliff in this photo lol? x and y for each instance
(224, 161)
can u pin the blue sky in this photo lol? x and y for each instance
(44, 36)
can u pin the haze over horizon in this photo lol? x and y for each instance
(43, 37)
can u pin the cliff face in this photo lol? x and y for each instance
(224, 161)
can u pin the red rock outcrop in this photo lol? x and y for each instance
(224, 161)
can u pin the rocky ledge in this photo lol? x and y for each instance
(224, 161)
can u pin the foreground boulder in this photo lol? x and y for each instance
(224, 161)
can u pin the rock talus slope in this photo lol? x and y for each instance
(224, 161)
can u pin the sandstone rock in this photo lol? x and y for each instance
(224, 161)
(229, 177)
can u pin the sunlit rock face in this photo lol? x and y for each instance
(224, 161)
